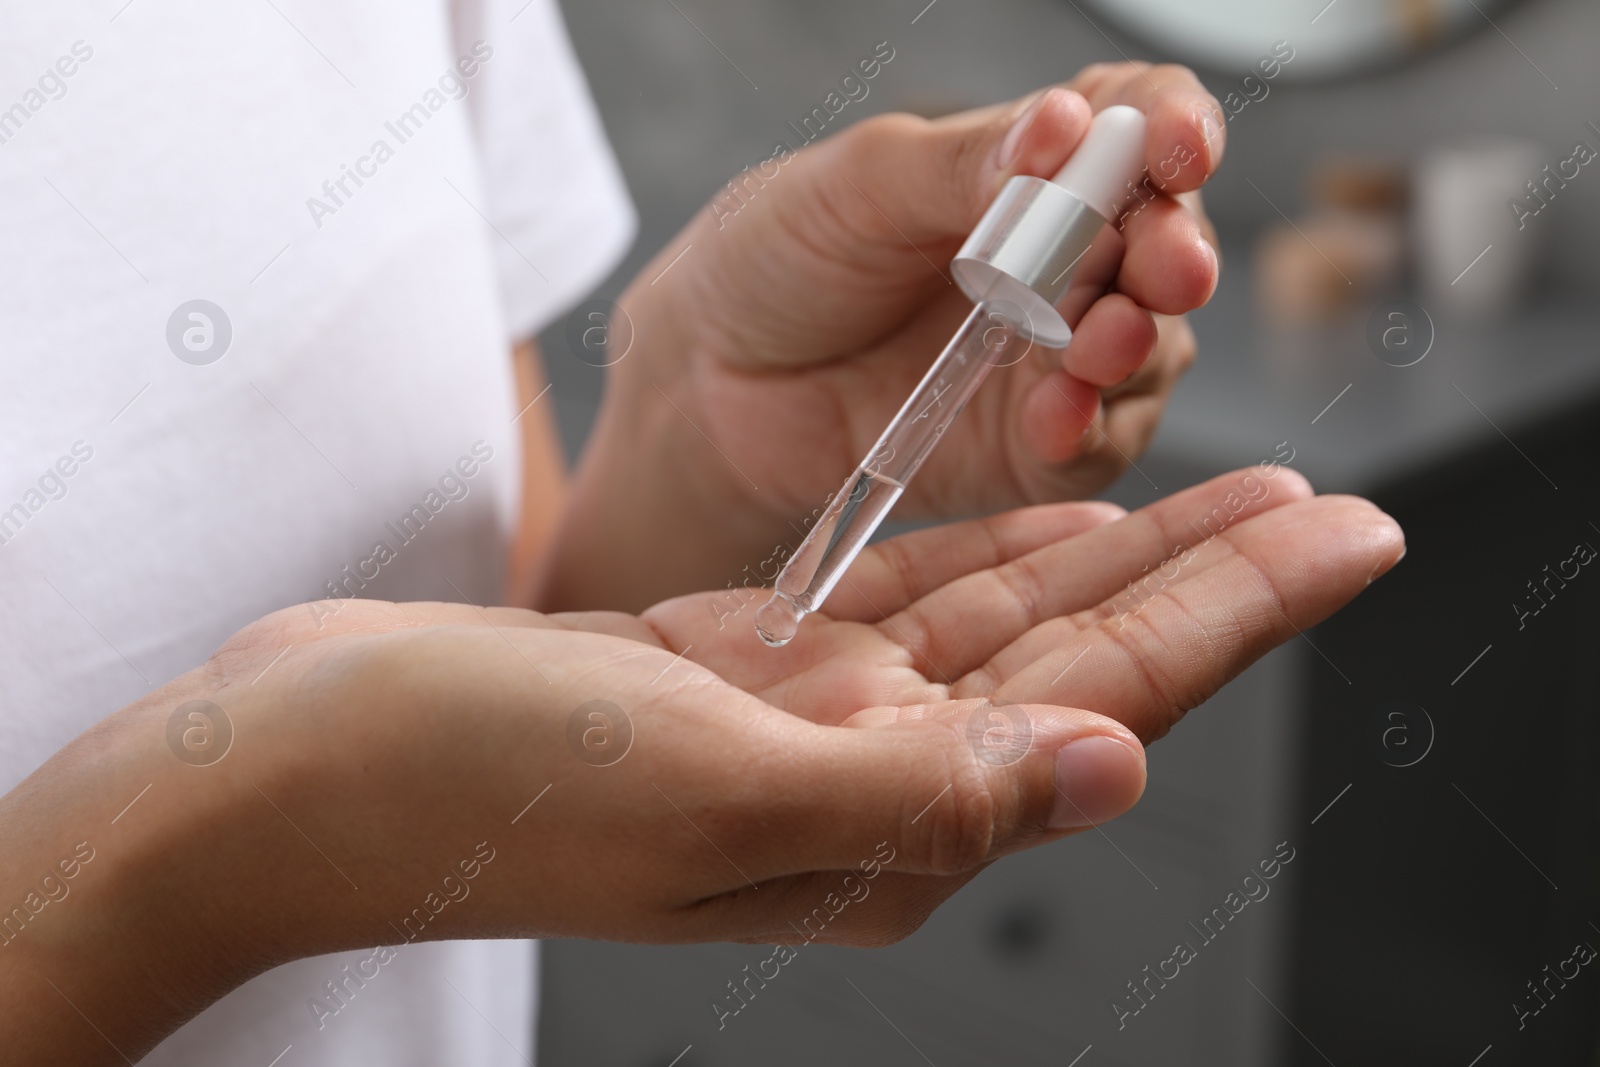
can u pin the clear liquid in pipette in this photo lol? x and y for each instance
(983, 342)
(846, 524)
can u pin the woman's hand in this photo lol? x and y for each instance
(1139, 617)
(767, 359)
(443, 771)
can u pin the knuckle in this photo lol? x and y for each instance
(916, 630)
(883, 135)
(969, 153)
(900, 563)
(1026, 587)
(961, 830)
(1147, 648)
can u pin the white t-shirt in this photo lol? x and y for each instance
(378, 195)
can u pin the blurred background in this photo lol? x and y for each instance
(1409, 216)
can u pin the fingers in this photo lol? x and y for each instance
(934, 179)
(1174, 354)
(949, 791)
(959, 627)
(1130, 411)
(904, 179)
(1170, 263)
(1185, 135)
(1057, 413)
(1197, 207)
(894, 573)
(1043, 132)
(1113, 340)
(1177, 635)
(1169, 266)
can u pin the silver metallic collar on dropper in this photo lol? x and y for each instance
(1027, 246)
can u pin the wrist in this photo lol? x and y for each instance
(653, 485)
(107, 856)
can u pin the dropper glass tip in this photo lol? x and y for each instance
(778, 620)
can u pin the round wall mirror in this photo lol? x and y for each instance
(1327, 39)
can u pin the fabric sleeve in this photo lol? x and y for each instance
(554, 190)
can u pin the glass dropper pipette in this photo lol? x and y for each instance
(1016, 265)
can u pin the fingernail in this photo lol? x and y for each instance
(1092, 427)
(1097, 779)
(1012, 143)
(1208, 134)
(1384, 568)
(1216, 269)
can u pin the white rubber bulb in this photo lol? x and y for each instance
(1108, 163)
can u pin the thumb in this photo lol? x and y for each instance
(906, 179)
(953, 786)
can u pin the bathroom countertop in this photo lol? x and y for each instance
(1353, 420)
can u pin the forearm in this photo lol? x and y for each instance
(100, 875)
(150, 885)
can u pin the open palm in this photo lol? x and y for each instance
(1140, 618)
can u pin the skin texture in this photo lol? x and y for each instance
(393, 741)
(768, 358)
